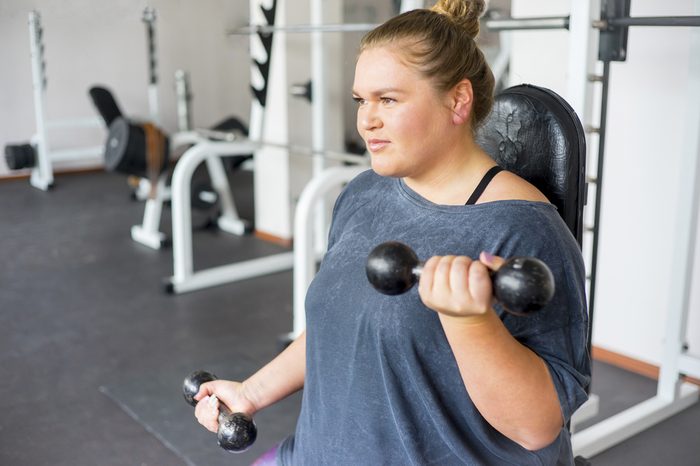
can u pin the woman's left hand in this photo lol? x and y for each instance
(458, 286)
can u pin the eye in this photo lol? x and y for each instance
(358, 100)
(388, 100)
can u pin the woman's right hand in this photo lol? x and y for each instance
(231, 394)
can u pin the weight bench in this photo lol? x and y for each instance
(128, 151)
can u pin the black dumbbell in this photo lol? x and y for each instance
(237, 431)
(522, 285)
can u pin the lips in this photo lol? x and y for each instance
(374, 145)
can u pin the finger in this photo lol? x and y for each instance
(480, 285)
(491, 261)
(427, 275)
(207, 414)
(441, 281)
(459, 275)
(205, 389)
(212, 410)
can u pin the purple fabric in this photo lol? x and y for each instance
(269, 458)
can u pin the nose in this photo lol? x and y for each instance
(368, 118)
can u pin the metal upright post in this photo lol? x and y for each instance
(674, 360)
(318, 117)
(149, 18)
(672, 394)
(184, 98)
(42, 173)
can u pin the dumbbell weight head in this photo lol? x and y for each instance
(237, 431)
(190, 387)
(391, 268)
(521, 285)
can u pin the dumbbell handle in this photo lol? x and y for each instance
(418, 270)
(224, 412)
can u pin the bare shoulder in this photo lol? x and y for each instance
(509, 186)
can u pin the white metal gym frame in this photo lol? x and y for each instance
(586, 27)
(672, 395)
(184, 98)
(149, 19)
(185, 278)
(305, 254)
(148, 232)
(42, 172)
(583, 44)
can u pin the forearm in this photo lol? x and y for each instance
(509, 384)
(279, 378)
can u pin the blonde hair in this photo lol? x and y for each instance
(439, 42)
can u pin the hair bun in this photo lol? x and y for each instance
(465, 13)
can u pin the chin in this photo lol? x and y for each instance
(383, 169)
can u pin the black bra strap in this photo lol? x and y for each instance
(493, 171)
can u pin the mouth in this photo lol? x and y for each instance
(375, 145)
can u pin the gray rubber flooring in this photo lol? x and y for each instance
(93, 352)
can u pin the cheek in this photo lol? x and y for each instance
(419, 124)
(410, 122)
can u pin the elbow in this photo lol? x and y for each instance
(538, 438)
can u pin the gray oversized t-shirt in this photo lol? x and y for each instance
(382, 385)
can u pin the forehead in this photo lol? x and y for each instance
(382, 68)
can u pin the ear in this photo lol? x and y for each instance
(461, 99)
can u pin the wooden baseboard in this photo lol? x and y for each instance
(632, 365)
(284, 242)
(68, 171)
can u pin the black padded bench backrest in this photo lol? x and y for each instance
(535, 134)
(105, 104)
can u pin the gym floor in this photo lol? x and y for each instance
(84, 312)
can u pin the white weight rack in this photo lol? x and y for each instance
(42, 172)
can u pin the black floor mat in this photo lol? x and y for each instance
(155, 400)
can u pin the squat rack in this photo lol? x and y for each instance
(42, 176)
(672, 395)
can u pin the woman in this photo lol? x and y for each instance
(439, 375)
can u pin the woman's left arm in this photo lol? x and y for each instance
(508, 383)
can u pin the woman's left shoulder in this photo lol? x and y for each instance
(507, 186)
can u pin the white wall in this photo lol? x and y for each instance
(643, 163)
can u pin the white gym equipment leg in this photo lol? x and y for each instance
(228, 221)
(148, 232)
(184, 277)
(672, 395)
(319, 90)
(583, 46)
(305, 254)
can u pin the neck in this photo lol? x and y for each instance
(452, 180)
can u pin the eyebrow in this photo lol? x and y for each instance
(385, 90)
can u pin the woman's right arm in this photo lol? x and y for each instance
(276, 380)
